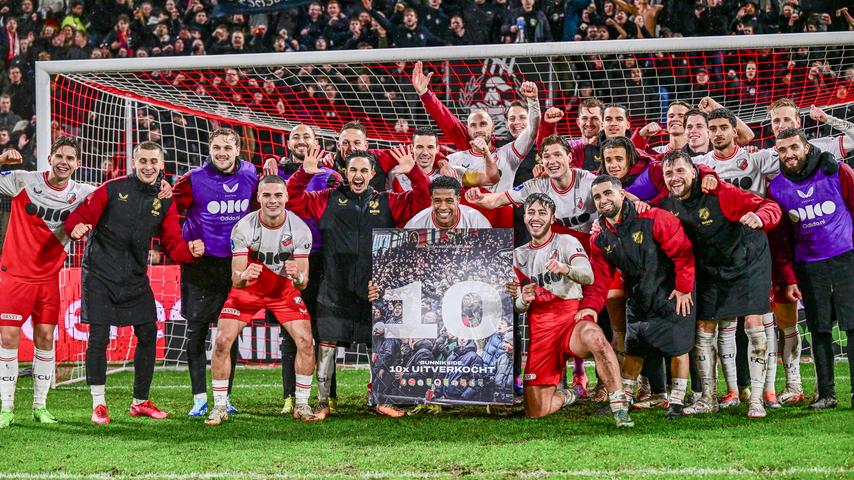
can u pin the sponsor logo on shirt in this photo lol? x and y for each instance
(228, 206)
(810, 212)
(231, 311)
(123, 197)
(806, 195)
(232, 189)
(10, 316)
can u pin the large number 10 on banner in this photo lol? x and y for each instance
(443, 325)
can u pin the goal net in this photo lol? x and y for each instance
(112, 105)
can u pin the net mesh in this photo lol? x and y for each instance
(112, 112)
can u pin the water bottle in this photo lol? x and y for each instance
(520, 32)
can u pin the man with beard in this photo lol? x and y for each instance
(733, 268)
(425, 148)
(818, 194)
(656, 259)
(346, 216)
(480, 124)
(301, 139)
(551, 270)
(214, 198)
(784, 114)
(124, 215)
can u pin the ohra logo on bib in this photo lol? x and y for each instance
(810, 212)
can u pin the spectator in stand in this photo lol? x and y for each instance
(75, 17)
(80, 49)
(458, 34)
(8, 118)
(21, 93)
(337, 26)
(29, 20)
(484, 22)
(435, 19)
(121, 38)
(527, 25)
(312, 27)
(407, 33)
(10, 44)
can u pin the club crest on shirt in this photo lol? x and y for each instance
(155, 207)
(374, 207)
(72, 197)
(703, 213)
(580, 204)
(637, 237)
(287, 241)
(742, 163)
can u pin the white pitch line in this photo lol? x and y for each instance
(670, 472)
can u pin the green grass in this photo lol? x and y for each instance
(259, 442)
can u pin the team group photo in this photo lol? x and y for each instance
(296, 251)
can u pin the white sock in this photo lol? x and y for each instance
(98, 396)
(200, 397)
(757, 361)
(618, 401)
(771, 336)
(303, 388)
(704, 354)
(629, 389)
(8, 378)
(677, 390)
(325, 370)
(43, 368)
(220, 392)
(726, 349)
(792, 355)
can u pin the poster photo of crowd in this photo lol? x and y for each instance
(443, 322)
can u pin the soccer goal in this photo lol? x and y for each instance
(112, 105)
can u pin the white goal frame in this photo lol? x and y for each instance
(44, 70)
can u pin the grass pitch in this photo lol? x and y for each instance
(260, 443)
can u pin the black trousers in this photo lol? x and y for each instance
(143, 359)
(287, 345)
(204, 288)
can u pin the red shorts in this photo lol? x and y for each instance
(548, 350)
(20, 300)
(243, 304)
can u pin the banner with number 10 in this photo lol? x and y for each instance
(443, 323)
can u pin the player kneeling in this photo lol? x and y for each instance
(269, 266)
(552, 268)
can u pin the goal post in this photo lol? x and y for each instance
(111, 105)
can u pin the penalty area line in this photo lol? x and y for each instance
(691, 472)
